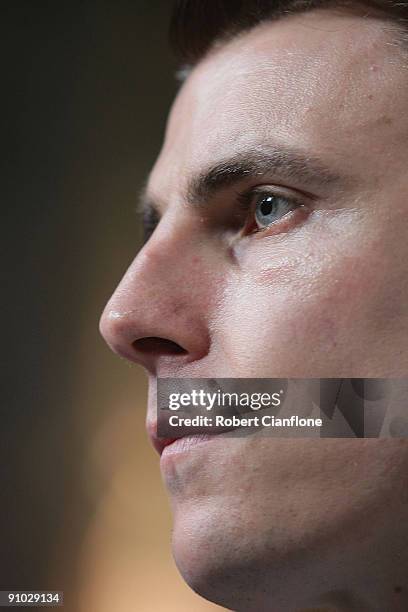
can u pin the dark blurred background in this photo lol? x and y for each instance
(86, 87)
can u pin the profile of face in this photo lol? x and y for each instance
(282, 251)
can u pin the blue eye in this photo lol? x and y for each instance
(270, 208)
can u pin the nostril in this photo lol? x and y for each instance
(158, 346)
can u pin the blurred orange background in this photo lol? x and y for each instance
(88, 85)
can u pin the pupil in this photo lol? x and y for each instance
(267, 206)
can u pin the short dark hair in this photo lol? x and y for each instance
(197, 24)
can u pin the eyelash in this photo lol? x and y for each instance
(151, 220)
(244, 211)
(248, 199)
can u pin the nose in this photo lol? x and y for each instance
(158, 315)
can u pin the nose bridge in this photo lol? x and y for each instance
(167, 275)
(164, 294)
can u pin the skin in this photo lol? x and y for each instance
(283, 525)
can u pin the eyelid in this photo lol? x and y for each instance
(246, 198)
(293, 195)
(151, 219)
(247, 203)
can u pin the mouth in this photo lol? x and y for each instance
(179, 444)
(189, 435)
(159, 444)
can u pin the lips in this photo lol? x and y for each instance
(159, 444)
(196, 434)
(182, 443)
(158, 420)
(160, 423)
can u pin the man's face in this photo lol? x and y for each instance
(281, 252)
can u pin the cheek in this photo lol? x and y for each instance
(310, 311)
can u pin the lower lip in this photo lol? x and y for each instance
(186, 444)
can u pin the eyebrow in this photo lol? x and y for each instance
(281, 162)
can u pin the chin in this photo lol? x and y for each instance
(221, 561)
(262, 527)
(209, 565)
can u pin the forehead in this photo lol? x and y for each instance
(324, 81)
